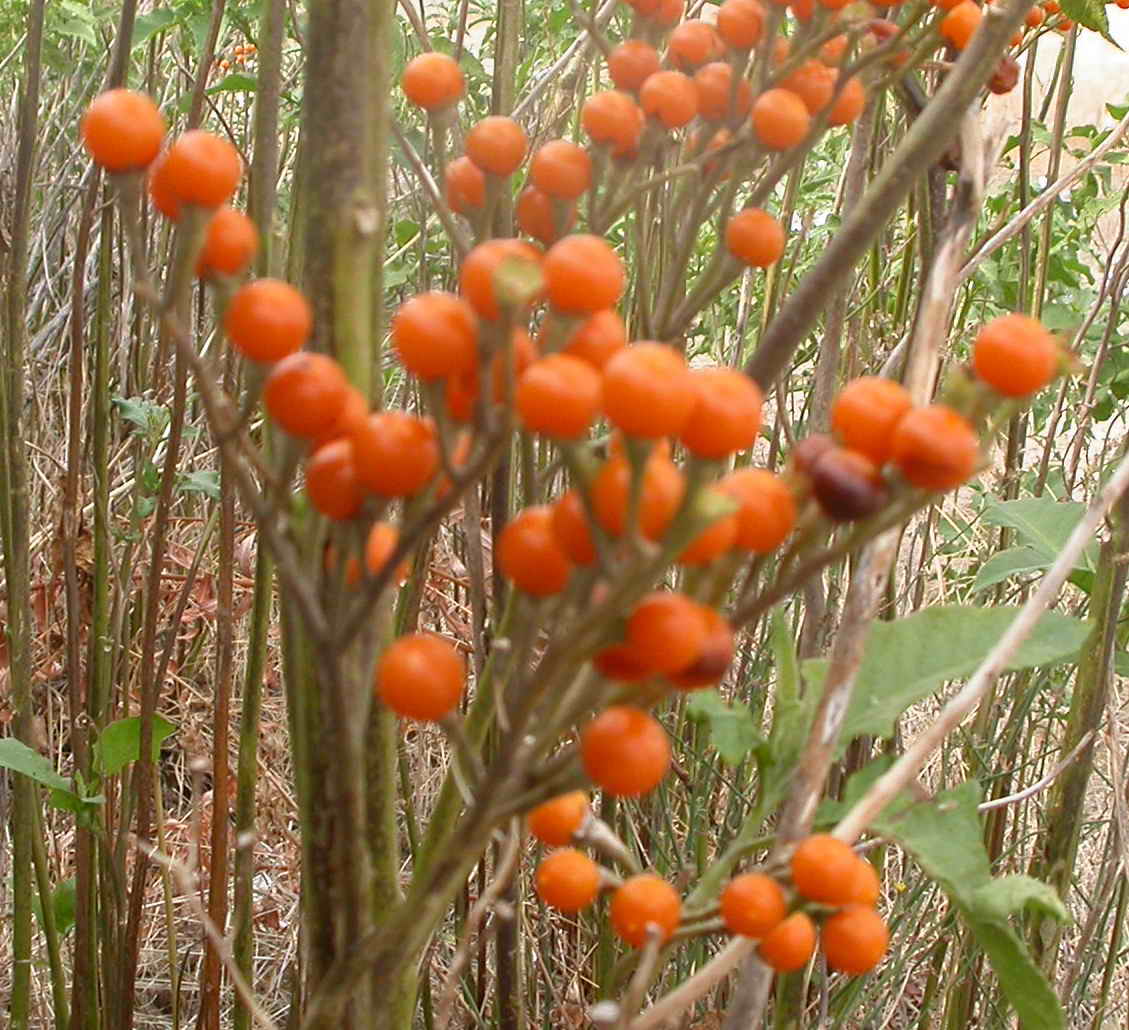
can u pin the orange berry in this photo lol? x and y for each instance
(692, 44)
(848, 105)
(789, 945)
(713, 660)
(230, 244)
(352, 411)
(1015, 355)
(304, 393)
(1052, 7)
(865, 885)
(599, 338)
(618, 663)
(667, 631)
(613, 118)
(477, 279)
(466, 185)
(1064, 25)
(625, 751)
(631, 63)
(823, 869)
(1036, 16)
(380, 545)
(802, 10)
(669, 13)
(961, 23)
(529, 555)
(847, 485)
(781, 119)
(583, 274)
(497, 145)
(559, 396)
(561, 169)
(726, 416)
(433, 81)
(568, 880)
(754, 237)
(935, 448)
(645, 904)
(854, 939)
(753, 904)
(740, 23)
(556, 821)
(570, 527)
(865, 414)
(814, 83)
(834, 50)
(267, 319)
(202, 169)
(397, 453)
(661, 495)
(436, 335)
(331, 481)
(122, 130)
(160, 190)
(648, 391)
(709, 545)
(544, 218)
(767, 510)
(421, 676)
(716, 96)
(669, 97)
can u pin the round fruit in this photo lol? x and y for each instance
(692, 44)
(713, 660)
(1036, 16)
(625, 751)
(568, 880)
(571, 528)
(648, 390)
(497, 145)
(669, 97)
(433, 81)
(767, 511)
(740, 24)
(613, 118)
(202, 169)
(561, 169)
(230, 244)
(814, 83)
(160, 191)
(618, 663)
(935, 448)
(421, 676)
(304, 393)
(381, 544)
(543, 217)
(781, 119)
(529, 555)
(351, 413)
(847, 485)
(583, 274)
(631, 63)
(854, 939)
(755, 237)
(717, 98)
(809, 450)
(397, 453)
(646, 904)
(660, 498)
(961, 23)
(709, 545)
(1015, 355)
(1006, 76)
(789, 945)
(122, 130)
(865, 885)
(752, 905)
(727, 415)
(556, 822)
(331, 481)
(559, 396)
(865, 414)
(436, 335)
(267, 319)
(848, 105)
(598, 339)
(834, 50)
(667, 631)
(823, 869)
(478, 277)
(466, 185)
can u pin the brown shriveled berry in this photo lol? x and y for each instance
(847, 485)
(1005, 77)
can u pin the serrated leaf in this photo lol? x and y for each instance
(908, 659)
(119, 744)
(62, 906)
(1015, 561)
(17, 756)
(148, 25)
(733, 733)
(204, 481)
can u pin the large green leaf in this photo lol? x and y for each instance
(17, 756)
(120, 743)
(733, 733)
(1042, 522)
(1015, 561)
(148, 25)
(908, 659)
(1090, 13)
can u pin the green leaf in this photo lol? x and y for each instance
(205, 481)
(1090, 13)
(733, 733)
(1013, 562)
(831, 811)
(120, 743)
(62, 905)
(1010, 895)
(235, 82)
(1043, 523)
(17, 756)
(148, 25)
(143, 415)
(908, 659)
(1021, 980)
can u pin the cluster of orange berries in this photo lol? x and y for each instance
(239, 55)
(828, 881)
